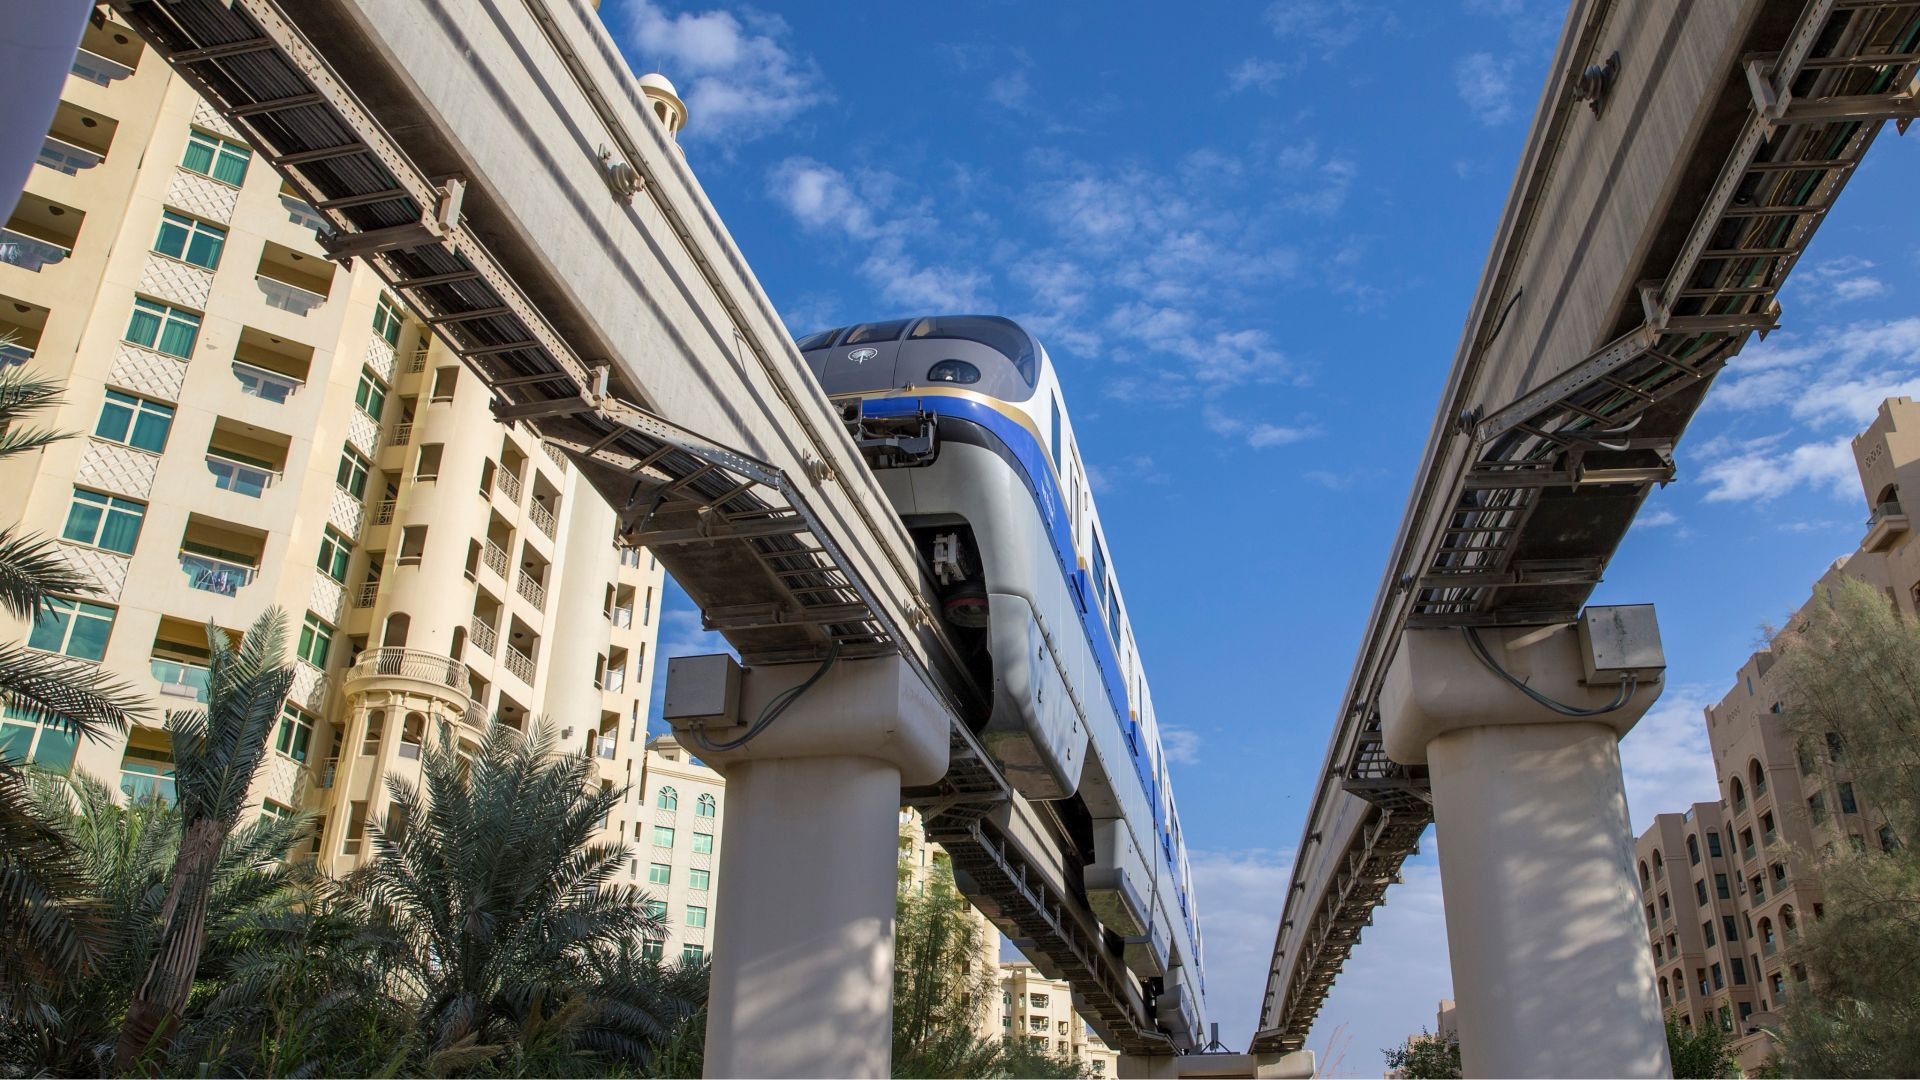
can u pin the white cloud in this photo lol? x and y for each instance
(1859, 288)
(1486, 86)
(1181, 745)
(1759, 470)
(1255, 74)
(1666, 759)
(1657, 519)
(1258, 435)
(1320, 184)
(739, 78)
(1324, 26)
(1238, 894)
(1842, 280)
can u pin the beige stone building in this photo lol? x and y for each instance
(677, 845)
(1040, 1010)
(258, 426)
(1724, 885)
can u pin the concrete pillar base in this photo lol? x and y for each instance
(1551, 968)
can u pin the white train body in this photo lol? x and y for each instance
(983, 468)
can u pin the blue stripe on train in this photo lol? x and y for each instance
(1033, 463)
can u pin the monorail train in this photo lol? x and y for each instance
(963, 421)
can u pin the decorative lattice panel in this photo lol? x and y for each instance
(380, 357)
(119, 469)
(147, 373)
(202, 196)
(363, 432)
(176, 282)
(105, 569)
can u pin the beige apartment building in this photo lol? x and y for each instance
(257, 426)
(678, 840)
(1725, 885)
(1040, 1010)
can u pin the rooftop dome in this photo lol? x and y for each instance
(657, 81)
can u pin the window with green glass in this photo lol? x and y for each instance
(371, 394)
(295, 734)
(702, 843)
(212, 156)
(659, 874)
(157, 326)
(104, 521)
(134, 421)
(352, 473)
(24, 741)
(692, 954)
(73, 628)
(657, 908)
(386, 319)
(274, 811)
(652, 949)
(696, 915)
(662, 836)
(190, 240)
(706, 807)
(335, 550)
(697, 879)
(316, 640)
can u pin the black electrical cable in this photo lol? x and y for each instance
(1627, 687)
(772, 710)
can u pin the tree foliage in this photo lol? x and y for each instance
(1705, 1053)
(1851, 666)
(1425, 1057)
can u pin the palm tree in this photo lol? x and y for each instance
(215, 754)
(508, 926)
(47, 929)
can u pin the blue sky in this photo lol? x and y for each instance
(1248, 234)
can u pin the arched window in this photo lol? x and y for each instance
(706, 807)
(668, 799)
(1759, 776)
(1646, 879)
(1767, 943)
(1739, 794)
(1693, 849)
(1659, 865)
(1789, 924)
(413, 732)
(1664, 992)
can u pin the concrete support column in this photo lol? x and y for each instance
(803, 920)
(1549, 950)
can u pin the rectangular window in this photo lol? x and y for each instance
(1847, 803)
(1817, 807)
(1700, 890)
(1713, 844)
(657, 908)
(692, 954)
(335, 550)
(1720, 888)
(662, 836)
(702, 843)
(275, 811)
(104, 521)
(371, 394)
(1730, 927)
(1719, 981)
(73, 628)
(1057, 466)
(44, 746)
(316, 640)
(698, 880)
(156, 326)
(696, 915)
(190, 240)
(652, 949)
(1739, 968)
(133, 421)
(295, 733)
(351, 476)
(659, 874)
(216, 157)
(1706, 928)
(444, 380)
(386, 320)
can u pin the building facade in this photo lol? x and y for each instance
(257, 426)
(1725, 885)
(1040, 1011)
(678, 840)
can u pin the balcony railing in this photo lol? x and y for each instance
(507, 484)
(301, 214)
(383, 512)
(141, 786)
(213, 575)
(238, 476)
(265, 385)
(369, 592)
(419, 361)
(28, 253)
(62, 156)
(614, 681)
(535, 592)
(324, 777)
(495, 558)
(558, 455)
(622, 617)
(14, 355)
(482, 635)
(1890, 508)
(289, 298)
(95, 68)
(392, 662)
(520, 664)
(542, 518)
(179, 679)
(603, 746)
(402, 434)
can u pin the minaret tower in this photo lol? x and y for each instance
(665, 102)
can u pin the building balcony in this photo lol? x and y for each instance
(418, 670)
(534, 592)
(368, 594)
(495, 558)
(98, 69)
(542, 519)
(29, 253)
(482, 636)
(219, 576)
(383, 512)
(239, 476)
(604, 746)
(13, 354)
(507, 484)
(1889, 520)
(402, 434)
(520, 664)
(265, 385)
(63, 156)
(180, 679)
(289, 298)
(303, 215)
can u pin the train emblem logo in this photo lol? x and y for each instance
(861, 356)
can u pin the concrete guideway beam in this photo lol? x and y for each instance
(803, 949)
(1544, 927)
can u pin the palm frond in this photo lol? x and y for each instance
(47, 689)
(32, 571)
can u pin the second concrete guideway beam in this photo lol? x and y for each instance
(1520, 729)
(815, 757)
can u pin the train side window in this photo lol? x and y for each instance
(1003, 335)
(1100, 570)
(878, 331)
(816, 341)
(1058, 457)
